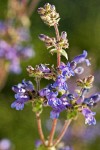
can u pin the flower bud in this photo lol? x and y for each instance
(53, 8)
(30, 69)
(47, 6)
(41, 11)
(90, 79)
(49, 15)
(42, 37)
(63, 35)
(79, 82)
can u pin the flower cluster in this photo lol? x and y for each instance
(41, 71)
(15, 36)
(57, 94)
(48, 14)
(23, 94)
(12, 54)
(52, 42)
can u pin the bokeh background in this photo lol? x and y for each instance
(81, 20)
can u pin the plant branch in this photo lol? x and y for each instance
(58, 64)
(60, 136)
(32, 6)
(50, 142)
(58, 50)
(40, 128)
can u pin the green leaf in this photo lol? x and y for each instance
(64, 53)
(53, 51)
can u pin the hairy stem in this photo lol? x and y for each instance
(50, 142)
(38, 117)
(40, 128)
(32, 6)
(37, 83)
(58, 50)
(60, 136)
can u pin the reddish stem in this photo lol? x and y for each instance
(58, 50)
(40, 129)
(60, 136)
(50, 142)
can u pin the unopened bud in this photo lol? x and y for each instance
(79, 82)
(63, 35)
(42, 37)
(47, 6)
(53, 7)
(90, 79)
(30, 69)
(41, 11)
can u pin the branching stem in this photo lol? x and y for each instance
(64, 129)
(40, 128)
(58, 50)
(50, 142)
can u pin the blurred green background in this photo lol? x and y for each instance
(81, 20)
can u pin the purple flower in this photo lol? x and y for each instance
(38, 143)
(79, 70)
(70, 69)
(3, 27)
(66, 70)
(82, 58)
(15, 66)
(89, 116)
(44, 68)
(24, 52)
(44, 92)
(54, 114)
(5, 144)
(58, 104)
(91, 101)
(23, 34)
(60, 84)
(23, 94)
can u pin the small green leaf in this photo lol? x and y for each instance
(63, 52)
(53, 51)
